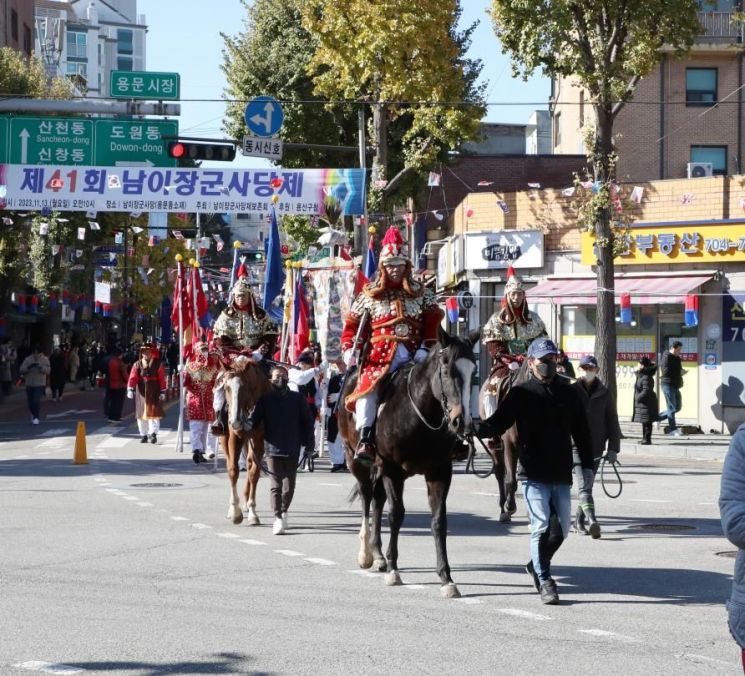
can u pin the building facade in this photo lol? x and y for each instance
(17, 25)
(86, 40)
(686, 117)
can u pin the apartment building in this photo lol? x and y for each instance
(686, 117)
(17, 25)
(86, 39)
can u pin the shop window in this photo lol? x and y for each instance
(717, 155)
(701, 86)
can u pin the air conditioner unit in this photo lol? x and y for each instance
(700, 169)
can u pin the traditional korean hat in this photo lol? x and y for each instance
(513, 281)
(392, 249)
(241, 281)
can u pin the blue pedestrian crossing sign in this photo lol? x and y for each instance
(264, 116)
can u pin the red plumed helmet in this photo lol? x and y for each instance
(392, 248)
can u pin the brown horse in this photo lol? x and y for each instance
(504, 451)
(245, 382)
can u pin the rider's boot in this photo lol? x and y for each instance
(219, 427)
(365, 453)
(592, 523)
(579, 522)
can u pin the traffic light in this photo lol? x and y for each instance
(186, 150)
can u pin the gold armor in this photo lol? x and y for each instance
(245, 328)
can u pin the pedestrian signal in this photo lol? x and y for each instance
(220, 152)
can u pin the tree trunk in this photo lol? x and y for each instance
(605, 336)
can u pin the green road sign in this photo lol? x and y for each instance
(3, 140)
(84, 142)
(50, 140)
(132, 142)
(140, 84)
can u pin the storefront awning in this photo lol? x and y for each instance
(643, 290)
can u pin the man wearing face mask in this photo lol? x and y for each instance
(549, 414)
(604, 430)
(199, 378)
(288, 425)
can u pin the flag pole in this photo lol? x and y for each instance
(179, 286)
(236, 245)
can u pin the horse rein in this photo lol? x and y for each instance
(416, 409)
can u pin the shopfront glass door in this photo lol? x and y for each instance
(671, 328)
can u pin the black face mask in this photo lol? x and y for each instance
(546, 369)
(280, 383)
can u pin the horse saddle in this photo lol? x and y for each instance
(389, 382)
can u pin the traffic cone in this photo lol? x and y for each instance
(81, 454)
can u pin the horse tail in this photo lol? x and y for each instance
(354, 494)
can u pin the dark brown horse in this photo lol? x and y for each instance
(420, 423)
(504, 450)
(245, 382)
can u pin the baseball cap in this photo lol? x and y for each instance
(541, 347)
(588, 360)
(305, 358)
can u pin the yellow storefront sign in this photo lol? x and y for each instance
(681, 244)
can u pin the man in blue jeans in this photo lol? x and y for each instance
(549, 413)
(671, 382)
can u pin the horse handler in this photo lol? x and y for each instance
(288, 425)
(147, 386)
(549, 413)
(199, 379)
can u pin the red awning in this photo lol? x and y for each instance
(643, 290)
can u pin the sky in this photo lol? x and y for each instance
(184, 37)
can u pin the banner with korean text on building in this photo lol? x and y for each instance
(300, 191)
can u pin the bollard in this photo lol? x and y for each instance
(80, 456)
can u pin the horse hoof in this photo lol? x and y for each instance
(364, 561)
(253, 520)
(505, 517)
(449, 591)
(381, 565)
(393, 579)
(236, 517)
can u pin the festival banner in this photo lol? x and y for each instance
(302, 191)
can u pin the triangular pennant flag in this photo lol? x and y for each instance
(503, 206)
(636, 194)
(433, 180)
(135, 214)
(136, 229)
(178, 234)
(568, 192)
(7, 220)
(484, 184)
(534, 185)
(91, 215)
(119, 238)
(112, 256)
(78, 253)
(93, 225)
(81, 233)
(43, 229)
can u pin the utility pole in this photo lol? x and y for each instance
(361, 229)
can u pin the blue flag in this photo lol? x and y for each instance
(371, 263)
(274, 276)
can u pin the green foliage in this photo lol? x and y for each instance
(270, 57)
(26, 77)
(301, 232)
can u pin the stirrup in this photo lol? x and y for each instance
(365, 453)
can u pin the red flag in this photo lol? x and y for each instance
(199, 301)
(301, 329)
(360, 281)
(182, 302)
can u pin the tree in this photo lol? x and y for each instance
(404, 61)
(270, 57)
(607, 46)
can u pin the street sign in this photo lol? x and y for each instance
(264, 116)
(50, 140)
(257, 146)
(140, 84)
(134, 142)
(86, 142)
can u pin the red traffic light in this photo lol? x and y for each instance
(177, 150)
(221, 152)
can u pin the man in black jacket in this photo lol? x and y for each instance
(549, 414)
(288, 425)
(671, 382)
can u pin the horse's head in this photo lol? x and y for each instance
(244, 382)
(451, 380)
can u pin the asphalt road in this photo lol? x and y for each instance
(128, 565)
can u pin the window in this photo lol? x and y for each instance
(701, 86)
(14, 24)
(80, 69)
(27, 46)
(557, 130)
(124, 63)
(124, 41)
(717, 155)
(77, 44)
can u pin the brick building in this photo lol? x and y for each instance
(672, 121)
(17, 25)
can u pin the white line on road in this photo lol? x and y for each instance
(469, 601)
(414, 586)
(113, 442)
(130, 497)
(320, 562)
(145, 504)
(708, 504)
(288, 552)
(249, 541)
(321, 484)
(490, 495)
(200, 526)
(650, 500)
(605, 634)
(695, 658)
(179, 518)
(525, 614)
(115, 491)
(56, 431)
(228, 535)
(49, 667)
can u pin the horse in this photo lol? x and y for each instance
(504, 451)
(245, 382)
(424, 415)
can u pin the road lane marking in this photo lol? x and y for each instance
(322, 484)
(179, 518)
(649, 500)
(606, 634)
(228, 535)
(49, 667)
(414, 586)
(525, 614)
(692, 657)
(249, 541)
(489, 495)
(115, 491)
(320, 562)
(144, 504)
(469, 601)
(56, 432)
(130, 497)
(288, 552)
(200, 526)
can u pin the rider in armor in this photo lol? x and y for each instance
(402, 319)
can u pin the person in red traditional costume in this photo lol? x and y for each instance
(402, 319)
(507, 335)
(200, 374)
(147, 385)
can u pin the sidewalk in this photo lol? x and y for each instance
(688, 446)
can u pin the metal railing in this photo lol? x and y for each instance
(719, 27)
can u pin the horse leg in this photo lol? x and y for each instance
(499, 472)
(253, 473)
(437, 494)
(378, 502)
(394, 490)
(229, 447)
(364, 556)
(510, 465)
